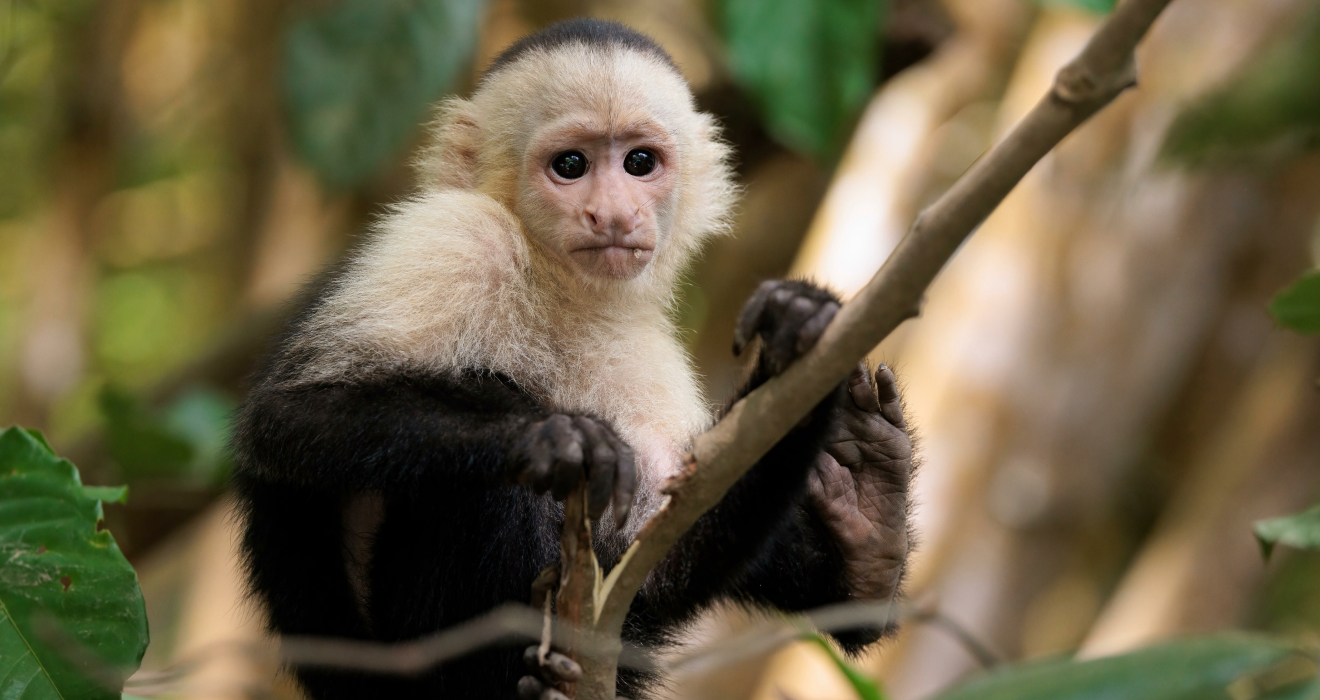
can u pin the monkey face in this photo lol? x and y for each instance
(600, 153)
(602, 186)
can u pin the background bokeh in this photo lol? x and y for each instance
(1103, 402)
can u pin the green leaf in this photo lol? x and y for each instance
(1272, 106)
(359, 78)
(1298, 306)
(138, 441)
(811, 66)
(1194, 668)
(113, 494)
(865, 688)
(201, 417)
(70, 606)
(1300, 530)
(1099, 7)
(186, 441)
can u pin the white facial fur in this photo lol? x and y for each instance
(606, 100)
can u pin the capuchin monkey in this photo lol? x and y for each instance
(506, 334)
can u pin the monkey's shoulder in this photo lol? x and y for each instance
(445, 231)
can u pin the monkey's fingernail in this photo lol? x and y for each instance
(567, 669)
(529, 688)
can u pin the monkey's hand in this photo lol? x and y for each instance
(556, 454)
(789, 316)
(859, 484)
(540, 684)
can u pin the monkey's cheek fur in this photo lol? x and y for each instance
(616, 262)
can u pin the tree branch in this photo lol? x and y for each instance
(1105, 67)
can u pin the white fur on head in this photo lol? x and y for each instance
(482, 143)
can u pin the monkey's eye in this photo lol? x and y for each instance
(639, 162)
(570, 165)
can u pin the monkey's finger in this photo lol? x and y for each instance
(782, 346)
(749, 319)
(530, 688)
(540, 458)
(601, 461)
(887, 393)
(814, 327)
(552, 694)
(568, 468)
(625, 480)
(561, 668)
(862, 391)
(532, 658)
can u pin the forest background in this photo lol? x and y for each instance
(1104, 402)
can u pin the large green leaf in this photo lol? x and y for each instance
(1298, 306)
(809, 65)
(72, 620)
(1183, 670)
(358, 79)
(1271, 107)
(1300, 530)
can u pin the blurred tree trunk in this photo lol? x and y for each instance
(54, 353)
(1053, 352)
(1199, 568)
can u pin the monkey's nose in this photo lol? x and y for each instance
(610, 222)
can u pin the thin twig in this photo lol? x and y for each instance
(510, 623)
(979, 650)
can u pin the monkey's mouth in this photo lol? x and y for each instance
(614, 260)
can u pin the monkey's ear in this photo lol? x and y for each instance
(450, 159)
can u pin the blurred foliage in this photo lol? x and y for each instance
(1290, 601)
(1273, 105)
(63, 579)
(811, 66)
(1298, 306)
(1218, 666)
(359, 78)
(32, 51)
(1098, 7)
(1301, 530)
(186, 441)
(865, 688)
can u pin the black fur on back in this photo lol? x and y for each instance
(582, 30)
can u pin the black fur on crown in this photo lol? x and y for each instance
(582, 30)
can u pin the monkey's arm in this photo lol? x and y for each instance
(848, 540)
(710, 558)
(388, 434)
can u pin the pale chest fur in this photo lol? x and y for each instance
(636, 376)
